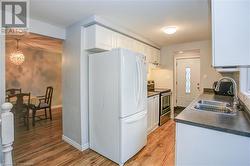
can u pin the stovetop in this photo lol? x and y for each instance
(160, 90)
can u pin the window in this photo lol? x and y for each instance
(245, 81)
(188, 79)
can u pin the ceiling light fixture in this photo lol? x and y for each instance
(17, 56)
(170, 30)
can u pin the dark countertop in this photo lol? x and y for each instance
(150, 94)
(238, 124)
(160, 90)
(157, 91)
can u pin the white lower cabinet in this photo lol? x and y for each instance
(206, 147)
(153, 113)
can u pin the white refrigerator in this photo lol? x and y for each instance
(117, 104)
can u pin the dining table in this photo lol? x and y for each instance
(34, 100)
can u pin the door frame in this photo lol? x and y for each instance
(177, 56)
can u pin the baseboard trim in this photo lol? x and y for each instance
(75, 144)
(56, 106)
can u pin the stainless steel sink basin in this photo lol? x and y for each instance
(214, 106)
(214, 103)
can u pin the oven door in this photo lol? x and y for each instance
(165, 108)
(165, 103)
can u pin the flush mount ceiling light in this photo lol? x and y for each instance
(170, 30)
(17, 56)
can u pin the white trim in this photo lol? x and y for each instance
(248, 81)
(47, 29)
(244, 81)
(244, 95)
(154, 128)
(75, 144)
(2, 68)
(213, 33)
(175, 71)
(56, 106)
(82, 89)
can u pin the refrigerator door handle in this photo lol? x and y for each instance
(136, 118)
(140, 82)
(137, 81)
(144, 87)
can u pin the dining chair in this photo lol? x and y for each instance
(44, 104)
(10, 92)
(21, 107)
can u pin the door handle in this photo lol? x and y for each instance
(137, 81)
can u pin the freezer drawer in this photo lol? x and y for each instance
(133, 135)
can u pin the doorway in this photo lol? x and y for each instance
(33, 79)
(187, 80)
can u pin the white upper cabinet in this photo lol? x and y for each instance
(123, 41)
(158, 56)
(153, 55)
(139, 47)
(99, 38)
(147, 52)
(231, 32)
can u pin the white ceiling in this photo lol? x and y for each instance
(144, 17)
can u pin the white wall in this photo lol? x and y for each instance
(164, 77)
(71, 85)
(43, 28)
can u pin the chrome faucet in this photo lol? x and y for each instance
(235, 93)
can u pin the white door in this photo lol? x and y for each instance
(133, 135)
(156, 111)
(153, 113)
(133, 83)
(228, 52)
(150, 110)
(188, 81)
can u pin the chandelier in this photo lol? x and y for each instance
(17, 56)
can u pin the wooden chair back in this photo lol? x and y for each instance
(11, 92)
(49, 95)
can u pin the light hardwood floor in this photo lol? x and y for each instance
(42, 145)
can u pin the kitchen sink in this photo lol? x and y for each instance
(214, 106)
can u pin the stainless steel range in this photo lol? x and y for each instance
(165, 102)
